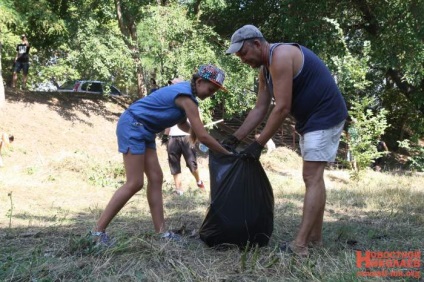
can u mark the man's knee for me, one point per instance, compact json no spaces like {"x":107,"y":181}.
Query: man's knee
{"x":313,"y":172}
{"x":192,"y":165}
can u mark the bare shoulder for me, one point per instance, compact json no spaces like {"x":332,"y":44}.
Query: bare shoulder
{"x":288,"y":57}
{"x":287,"y":50}
{"x":187,"y":104}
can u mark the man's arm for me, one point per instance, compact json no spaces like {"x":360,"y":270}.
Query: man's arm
{"x":282,"y":71}
{"x":258,"y":113}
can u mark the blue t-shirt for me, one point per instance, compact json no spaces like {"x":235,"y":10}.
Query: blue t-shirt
{"x":158,"y":110}
{"x":317,"y":103}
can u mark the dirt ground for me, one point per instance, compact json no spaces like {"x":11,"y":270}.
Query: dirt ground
{"x":57,"y":135}
{"x":45,"y":123}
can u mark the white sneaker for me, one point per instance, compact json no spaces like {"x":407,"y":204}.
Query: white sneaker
{"x":169,"y":235}
{"x":178,"y":192}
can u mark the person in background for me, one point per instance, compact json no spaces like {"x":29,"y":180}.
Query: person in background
{"x":178,"y":144}
{"x":136,"y":133}
{"x":381,"y":148}
{"x":153,"y":86}
{"x":301,"y":85}
{"x":21,"y":61}
{"x":5,"y":141}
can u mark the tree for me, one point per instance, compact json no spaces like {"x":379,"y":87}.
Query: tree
{"x":175,"y":44}
{"x":6,"y":38}
{"x":369,"y":125}
{"x":73,"y":40}
{"x":128,"y":15}
{"x":391,"y":31}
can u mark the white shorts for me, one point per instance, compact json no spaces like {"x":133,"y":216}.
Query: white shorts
{"x":321,"y":145}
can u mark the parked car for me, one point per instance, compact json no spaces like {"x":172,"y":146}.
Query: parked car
{"x":89,"y":86}
{"x":45,"y":87}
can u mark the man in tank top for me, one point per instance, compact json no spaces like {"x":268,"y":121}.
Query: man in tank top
{"x":302,"y":86}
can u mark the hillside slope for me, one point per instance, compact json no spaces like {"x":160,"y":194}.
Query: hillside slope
{"x":45,"y":123}
{"x":63,"y":143}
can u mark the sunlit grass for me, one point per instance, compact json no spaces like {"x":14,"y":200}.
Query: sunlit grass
{"x":51,"y":217}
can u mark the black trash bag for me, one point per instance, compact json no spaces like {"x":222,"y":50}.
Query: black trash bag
{"x":241,"y":211}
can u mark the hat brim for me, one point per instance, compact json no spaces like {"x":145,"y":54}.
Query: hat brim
{"x":219,"y":85}
{"x":234,"y":47}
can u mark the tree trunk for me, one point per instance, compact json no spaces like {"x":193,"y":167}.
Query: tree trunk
{"x":129,"y":31}
{"x":2,"y":95}
{"x":197,"y":8}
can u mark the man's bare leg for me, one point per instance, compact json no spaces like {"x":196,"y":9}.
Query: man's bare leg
{"x":24,"y":80}
{"x":177,"y":181}
{"x":313,"y":207}
{"x":15,"y":78}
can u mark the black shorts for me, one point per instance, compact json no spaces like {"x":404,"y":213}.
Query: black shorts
{"x":21,"y":66}
{"x":177,"y":146}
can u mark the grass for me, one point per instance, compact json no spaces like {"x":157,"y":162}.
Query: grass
{"x":47,"y":208}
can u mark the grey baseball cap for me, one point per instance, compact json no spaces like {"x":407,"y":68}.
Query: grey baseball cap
{"x":246,"y":32}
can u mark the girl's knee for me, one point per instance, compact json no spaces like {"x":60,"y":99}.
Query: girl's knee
{"x":155,"y":177}
{"x":135,"y":186}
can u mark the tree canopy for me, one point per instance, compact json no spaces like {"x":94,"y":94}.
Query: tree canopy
{"x":374,"y":48}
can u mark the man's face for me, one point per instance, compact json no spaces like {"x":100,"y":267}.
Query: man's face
{"x":250,"y":53}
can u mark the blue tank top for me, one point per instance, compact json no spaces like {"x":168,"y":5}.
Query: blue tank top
{"x":158,"y":110}
{"x":317,"y":103}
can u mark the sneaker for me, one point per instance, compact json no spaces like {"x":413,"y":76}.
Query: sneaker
{"x":102,"y":239}
{"x":200,"y":184}
{"x":169,"y":235}
{"x":178,"y":192}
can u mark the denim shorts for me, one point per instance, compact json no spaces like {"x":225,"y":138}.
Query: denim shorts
{"x":133,"y":136}
{"x":21,"y":66}
{"x":321,"y":145}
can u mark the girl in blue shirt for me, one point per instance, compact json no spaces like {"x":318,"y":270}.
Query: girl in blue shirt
{"x":136,"y":133}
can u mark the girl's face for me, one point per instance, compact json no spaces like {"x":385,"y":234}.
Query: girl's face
{"x":205,"y":88}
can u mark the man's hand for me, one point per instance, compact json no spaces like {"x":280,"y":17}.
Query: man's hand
{"x":230,"y":143}
{"x":165,"y":139}
{"x":253,"y":151}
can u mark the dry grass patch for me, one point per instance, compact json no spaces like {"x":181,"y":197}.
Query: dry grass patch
{"x":59,"y":178}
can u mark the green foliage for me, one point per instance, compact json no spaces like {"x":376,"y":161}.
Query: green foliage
{"x":351,"y":70}
{"x":71,"y":40}
{"x":10,"y":211}
{"x":7,"y":38}
{"x":416,"y":160}
{"x":369,"y":125}
{"x":382,"y":40}
{"x":110,"y":175}
{"x":97,"y":56}
{"x":40,"y":22}
{"x":374,"y":48}
{"x":173,"y":45}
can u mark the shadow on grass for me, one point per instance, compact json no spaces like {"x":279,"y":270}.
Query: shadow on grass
{"x":64,"y":252}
